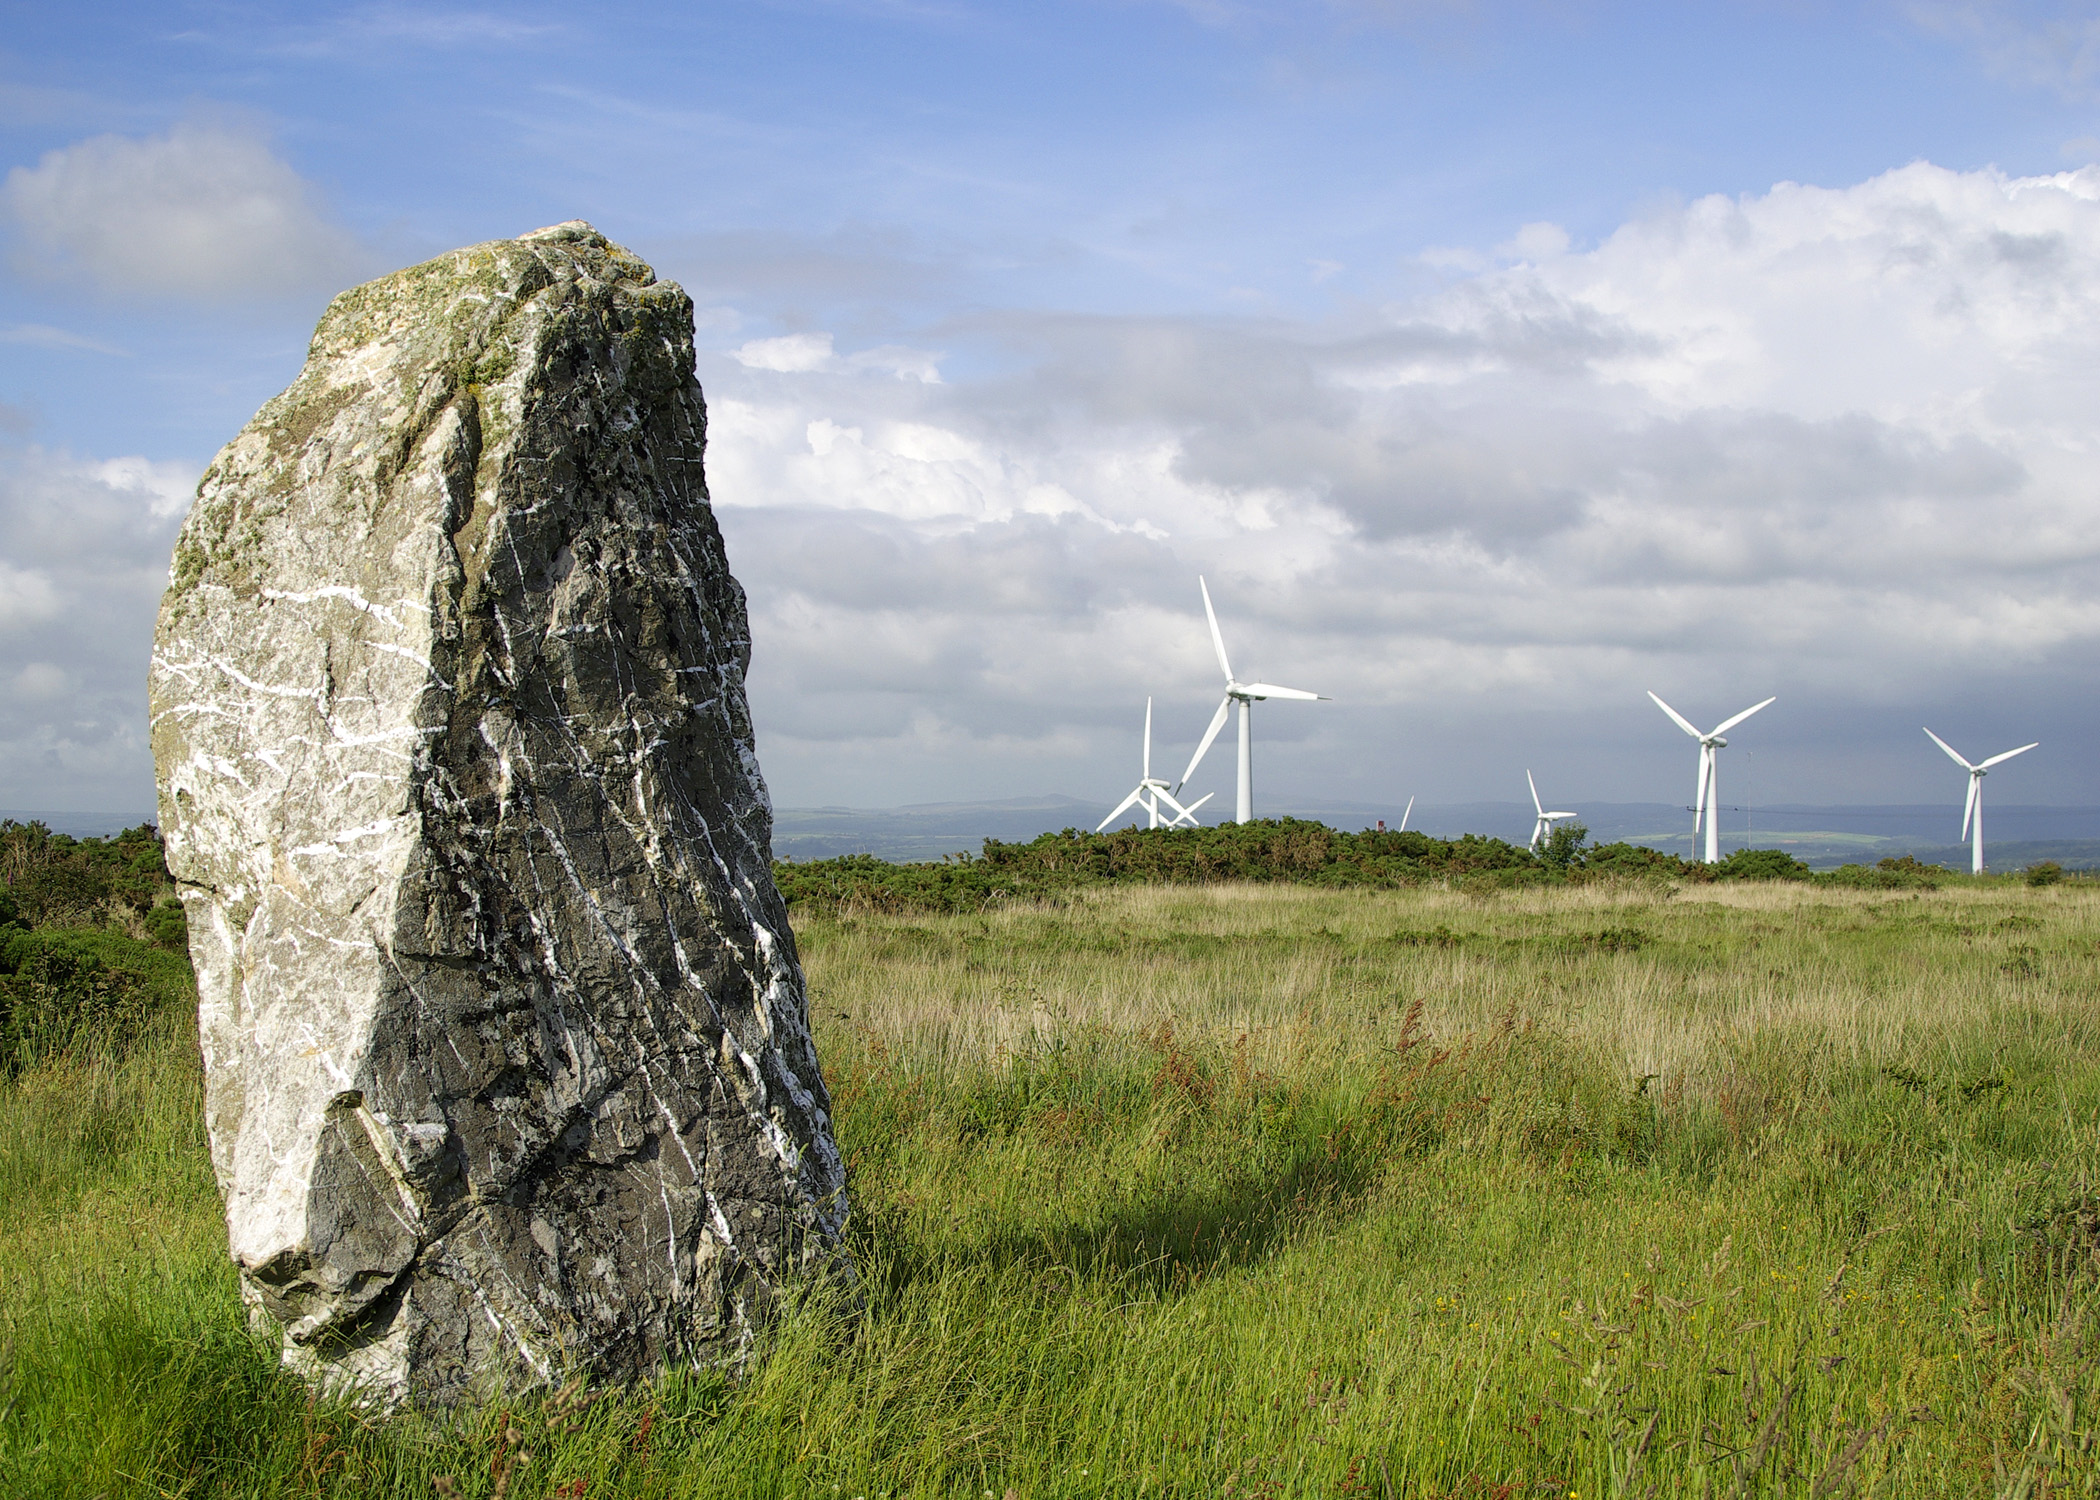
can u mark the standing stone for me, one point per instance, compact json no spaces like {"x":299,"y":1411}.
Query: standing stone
{"x":508,"y":1070}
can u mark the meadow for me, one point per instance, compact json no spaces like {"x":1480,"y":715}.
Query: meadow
{"x":1618,"y":1187}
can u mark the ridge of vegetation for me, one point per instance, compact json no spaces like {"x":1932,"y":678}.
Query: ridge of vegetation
{"x":1290,"y":850}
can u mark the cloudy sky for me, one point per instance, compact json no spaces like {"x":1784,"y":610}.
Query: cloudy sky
{"x":1495,"y":362}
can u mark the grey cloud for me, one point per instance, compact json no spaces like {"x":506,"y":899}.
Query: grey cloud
{"x":86,"y":549}
{"x":1514,"y":455}
{"x":1032,"y":566}
{"x":862,"y":619}
{"x":1263,"y":405}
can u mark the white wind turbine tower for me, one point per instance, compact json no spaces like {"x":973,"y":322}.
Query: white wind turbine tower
{"x":1707,"y":805}
{"x":1246,"y":694}
{"x":1543,"y":828}
{"x":1972,"y":810}
{"x":1151,"y":792}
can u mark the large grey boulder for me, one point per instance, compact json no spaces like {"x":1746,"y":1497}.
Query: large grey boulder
{"x":508,"y":1070}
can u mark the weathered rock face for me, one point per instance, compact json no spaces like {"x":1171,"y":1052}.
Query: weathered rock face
{"x":508,"y":1068}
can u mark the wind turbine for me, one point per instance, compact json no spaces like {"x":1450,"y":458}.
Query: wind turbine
{"x":1246,"y":694}
{"x":1973,"y":808}
{"x":1151,"y":791}
{"x":1708,"y":803}
{"x":1543,"y":828}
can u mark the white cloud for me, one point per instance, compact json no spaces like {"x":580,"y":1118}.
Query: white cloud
{"x":166,"y":486}
{"x":812,"y":353}
{"x":792,"y":354}
{"x":207,"y":212}
{"x":1535,"y":242}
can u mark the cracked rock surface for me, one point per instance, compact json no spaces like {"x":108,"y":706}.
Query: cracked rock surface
{"x":508,"y":1070}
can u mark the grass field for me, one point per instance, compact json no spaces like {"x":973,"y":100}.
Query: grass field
{"x":1245,"y":1191}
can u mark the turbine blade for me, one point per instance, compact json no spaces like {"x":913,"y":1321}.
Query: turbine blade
{"x":1552,"y":815}
{"x":1186,"y":818}
{"x":1271,"y":690}
{"x":1168,"y":798}
{"x":1952,"y":753}
{"x":1536,"y":805}
{"x":1121,"y":808}
{"x":2008,"y":755}
{"x":1217,"y":722}
{"x":1682,"y":722}
{"x":1706,"y":758}
{"x":1727,"y":724}
{"x":1217,"y":638}
{"x":1148,"y":739}
{"x":1404,"y":816}
{"x":1968,"y":806}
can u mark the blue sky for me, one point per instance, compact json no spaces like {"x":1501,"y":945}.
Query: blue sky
{"x":1495,"y":362}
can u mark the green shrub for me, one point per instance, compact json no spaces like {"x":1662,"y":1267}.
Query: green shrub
{"x":2047,"y":872}
{"x":1761,"y":864}
{"x":169,"y":924}
{"x":1563,"y":847}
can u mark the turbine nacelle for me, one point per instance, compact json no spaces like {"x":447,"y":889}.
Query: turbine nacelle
{"x":1972,"y":806}
{"x":1151,"y":792}
{"x":1706,"y":804}
{"x":1542,"y":830}
{"x":1246,"y":695}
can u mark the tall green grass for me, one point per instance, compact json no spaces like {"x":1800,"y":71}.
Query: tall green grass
{"x":1262,"y":1191}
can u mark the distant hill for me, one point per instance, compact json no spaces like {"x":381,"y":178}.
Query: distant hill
{"x":82,"y":825}
{"x":926,"y":830}
{"x":1823,"y":837}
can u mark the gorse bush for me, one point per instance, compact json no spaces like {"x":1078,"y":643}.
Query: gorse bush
{"x":1761,"y":864}
{"x":58,"y":881}
{"x":82,"y":992}
{"x":93,"y":944}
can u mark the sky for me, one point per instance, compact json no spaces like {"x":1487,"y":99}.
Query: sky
{"x":1495,"y":363}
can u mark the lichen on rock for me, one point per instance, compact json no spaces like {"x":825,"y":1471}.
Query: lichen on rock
{"x":508,"y":1069}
